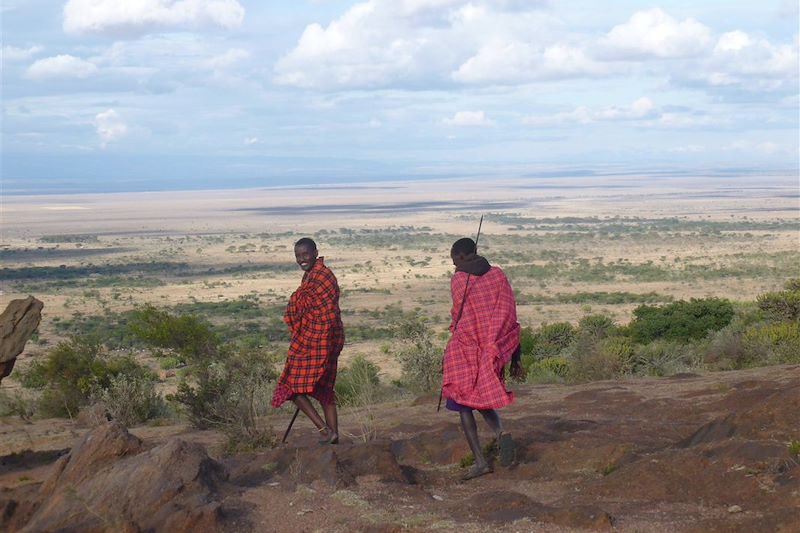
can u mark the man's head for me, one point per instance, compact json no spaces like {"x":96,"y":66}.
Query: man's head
{"x":305,"y":253}
{"x":461,"y":250}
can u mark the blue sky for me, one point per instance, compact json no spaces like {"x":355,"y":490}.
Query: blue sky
{"x":143,"y":94}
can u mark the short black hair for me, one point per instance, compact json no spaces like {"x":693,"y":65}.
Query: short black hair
{"x":306,"y":241}
{"x":464,"y":246}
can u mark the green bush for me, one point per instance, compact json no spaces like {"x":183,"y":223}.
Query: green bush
{"x":358,"y":384}
{"x":774,"y":343}
{"x":130,"y":399}
{"x":548,"y":370}
{"x":549,"y":340}
{"x":72,"y":371}
{"x":606,"y":359}
{"x":783,"y":305}
{"x":597,"y":326}
{"x":664,"y":358}
{"x":680,"y":321}
{"x":223,"y":389}
{"x":420,"y":356}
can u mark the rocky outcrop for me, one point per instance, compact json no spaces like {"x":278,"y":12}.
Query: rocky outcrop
{"x":17,"y":323}
{"x":109,"y":482}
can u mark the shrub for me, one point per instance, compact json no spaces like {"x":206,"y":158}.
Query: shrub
{"x":597,"y":326}
{"x":548,"y":370}
{"x":357,"y":384}
{"x":130,"y":399}
{"x":663,"y":358}
{"x":420,"y":356}
{"x":606,"y":359}
{"x":548,"y":340}
{"x":784,"y":305}
{"x":72,"y":371}
{"x":681,"y":320}
{"x":773,"y":343}
{"x":224,"y":389}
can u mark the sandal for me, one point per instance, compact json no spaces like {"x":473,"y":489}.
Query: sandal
{"x":332,"y":438}
{"x":477,"y":471}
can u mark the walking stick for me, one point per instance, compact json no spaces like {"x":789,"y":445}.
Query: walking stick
{"x":288,"y":429}
{"x":461,"y":310}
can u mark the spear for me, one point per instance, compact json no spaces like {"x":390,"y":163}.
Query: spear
{"x":461,"y":309}
{"x":288,"y":429}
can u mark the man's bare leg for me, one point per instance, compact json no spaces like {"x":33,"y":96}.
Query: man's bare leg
{"x":304,"y":404}
{"x":493,"y":419}
{"x":505,"y":444}
{"x":332,"y":420}
{"x":470,"y":428}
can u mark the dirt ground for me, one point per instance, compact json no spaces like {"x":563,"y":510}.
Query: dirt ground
{"x":685,"y":453}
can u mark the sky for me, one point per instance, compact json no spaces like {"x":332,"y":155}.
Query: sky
{"x":102,"y":95}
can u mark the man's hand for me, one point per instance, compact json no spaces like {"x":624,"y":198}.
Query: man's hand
{"x":517,"y":372}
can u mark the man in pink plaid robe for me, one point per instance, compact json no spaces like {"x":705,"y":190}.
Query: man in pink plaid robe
{"x":484,"y":339}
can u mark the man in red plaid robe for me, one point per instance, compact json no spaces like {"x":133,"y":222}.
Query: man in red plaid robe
{"x":484,"y":338}
{"x":315,"y":324}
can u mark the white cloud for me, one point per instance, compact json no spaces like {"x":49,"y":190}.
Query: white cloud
{"x":12,"y":53}
{"x":641,"y":109}
{"x":468,"y":119}
{"x":110,"y":126}
{"x":654,"y":33}
{"x":742,"y":62}
{"x":512,"y":62}
{"x":142,"y":16}
{"x":411,"y":43}
{"x":61,"y":66}
{"x":227,"y":59}
{"x":250,"y":141}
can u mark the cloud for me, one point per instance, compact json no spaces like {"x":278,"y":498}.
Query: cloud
{"x":468,"y":119}
{"x":514,"y":62}
{"x":408,"y":43}
{"x":250,"y":141}
{"x":61,"y":66}
{"x":641,"y":109}
{"x":12,"y":53}
{"x":143,"y":16}
{"x":654,"y":33}
{"x":110,"y":126}
{"x":742,"y":62}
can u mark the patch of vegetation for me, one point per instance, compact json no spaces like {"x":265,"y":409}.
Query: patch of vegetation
{"x":420,"y":356}
{"x":680,"y":321}
{"x":597,"y":298}
{"x":358,"y":384}
{"x":76,"y":370}
{"x":225,"y":389}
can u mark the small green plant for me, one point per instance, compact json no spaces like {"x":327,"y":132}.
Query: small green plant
{"x":794,"y":447}
{"x":358,"y":384}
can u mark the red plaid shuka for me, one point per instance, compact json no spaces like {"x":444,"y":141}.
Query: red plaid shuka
{"x":315,"y":324}
{"x":482,"y":342}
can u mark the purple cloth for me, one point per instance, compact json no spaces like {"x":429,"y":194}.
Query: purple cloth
{"x":453,"y":405}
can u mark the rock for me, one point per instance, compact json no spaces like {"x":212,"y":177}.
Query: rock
{"x":17,"y":323}
{"x":713,"y":431}
{"x":338,"y":466}
{"x":507,"y":506}
{"x":734,"y":509}
{"x":109,"y":482}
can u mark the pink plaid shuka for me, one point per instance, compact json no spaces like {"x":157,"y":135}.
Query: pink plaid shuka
{"x":482,"y":342}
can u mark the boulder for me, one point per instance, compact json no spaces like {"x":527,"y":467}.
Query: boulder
{"x":17,"y":323}
{"x":110,"y":482}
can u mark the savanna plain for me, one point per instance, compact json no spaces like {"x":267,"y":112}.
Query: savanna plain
{"x":627,"y":419}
